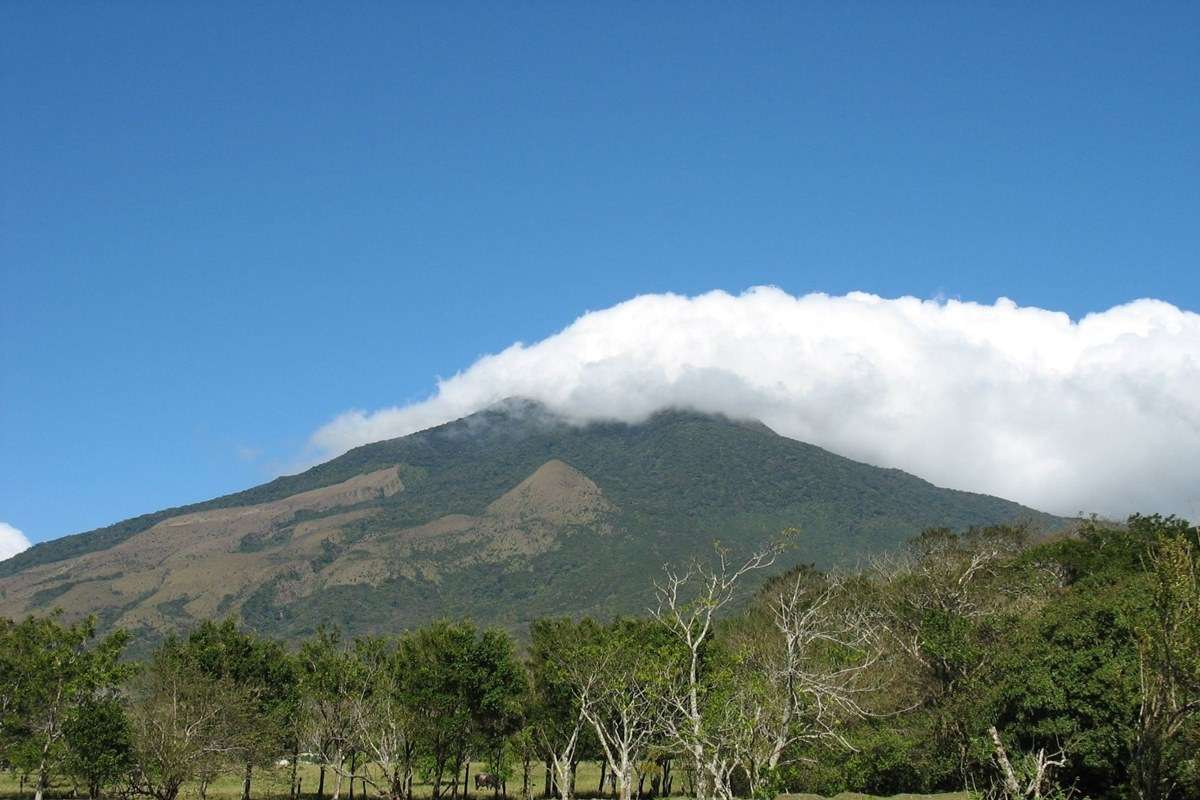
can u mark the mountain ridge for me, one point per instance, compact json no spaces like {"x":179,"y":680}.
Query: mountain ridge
{"x":503,"y":515}
{"x":74,"y":544}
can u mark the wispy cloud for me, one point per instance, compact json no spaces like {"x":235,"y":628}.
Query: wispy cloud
{"x":12,"y":541}
{"x":248,"y":454}
{"x":1100,"y":414}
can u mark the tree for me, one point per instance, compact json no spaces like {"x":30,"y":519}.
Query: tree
{"x":558,"y":698}
{"x":620,"y":676}
{"x":498,"y":689}
{"x":945,"y":604}
{"x":99,"y":743}
{"x":1066,"y":677}
{"x":688,"y":604}
{"x":264,"y":675}
{"x":1033,"y":775}
{"x":524,"y":748}
{"x":330,"y":683}
{"x":51,"y":670}
{"x":384,"y":717}
{"x":186,"y":723}
{"x":439,"y":659}
{"x":12,"y":712}
{"x":1170,"y":655}
{"x":465,"y":687}
{"x":801,"y":666}
{"x":939,"y":588}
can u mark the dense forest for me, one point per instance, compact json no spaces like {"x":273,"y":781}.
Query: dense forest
{"x":981,"y":660}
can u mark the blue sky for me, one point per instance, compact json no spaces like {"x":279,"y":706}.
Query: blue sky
{"x":224,"y":225}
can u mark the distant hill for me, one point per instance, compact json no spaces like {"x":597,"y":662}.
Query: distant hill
{"x":503,"y":516}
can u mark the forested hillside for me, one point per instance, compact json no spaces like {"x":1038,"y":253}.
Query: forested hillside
{"x":504,"y":516}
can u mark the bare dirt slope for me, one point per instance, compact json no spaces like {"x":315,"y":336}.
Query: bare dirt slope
{"x":208,"y":563}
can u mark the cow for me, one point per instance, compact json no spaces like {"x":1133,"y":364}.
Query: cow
{"x":486,"y":780}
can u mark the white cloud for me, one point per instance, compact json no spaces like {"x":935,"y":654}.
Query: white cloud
{"x":1099,"y":415}
{"x":12,"y":541}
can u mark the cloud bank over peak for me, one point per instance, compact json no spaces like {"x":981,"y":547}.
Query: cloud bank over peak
{"x":1096,"y":415}
{"x":12,"y":541}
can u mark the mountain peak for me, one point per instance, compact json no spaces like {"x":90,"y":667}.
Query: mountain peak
{"x":505,"y":514}
{"x":525,"y":411}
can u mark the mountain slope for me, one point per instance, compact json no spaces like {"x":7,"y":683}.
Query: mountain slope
{"x":503,"y":516}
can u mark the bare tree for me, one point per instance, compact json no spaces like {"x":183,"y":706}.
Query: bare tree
{"x":330,"y":684}
{"x":382,"y":719}
{"x":561,"y":750}
{"x":1032,"y":777}
{"x":688,"y":604}
{"x":805,"y":672}
{"x":942,"y":574}
{"x":560,"y":691}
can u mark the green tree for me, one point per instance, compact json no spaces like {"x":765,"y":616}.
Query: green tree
{"x":99,"y":743}
{"x":1169,"y":648}
{"x":1067,"y":676}
{"x":51,"y":670}
{"x":264,"y":676}
{"x":11,"y":725}
{"x":498,"y":690}
{"x":384,"y":716}
{"x":437,"y":656}
{"x":556,"y":707}
{"x":946,"y":604}
{"x":523,"y":747}
{"x":465,"y":688}
{"x":330,"y":682}
{"x":621,"y":675}
{"x":187,"y":723}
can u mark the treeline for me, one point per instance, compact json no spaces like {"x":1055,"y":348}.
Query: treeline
{"x":980,"y":661}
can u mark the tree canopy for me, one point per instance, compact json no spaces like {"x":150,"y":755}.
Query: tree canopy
{"x":989,"y":658}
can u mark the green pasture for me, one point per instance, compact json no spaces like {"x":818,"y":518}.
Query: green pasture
{"x":272,"y":783}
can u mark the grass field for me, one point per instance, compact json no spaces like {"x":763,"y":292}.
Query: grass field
{"x":272,"y":783}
